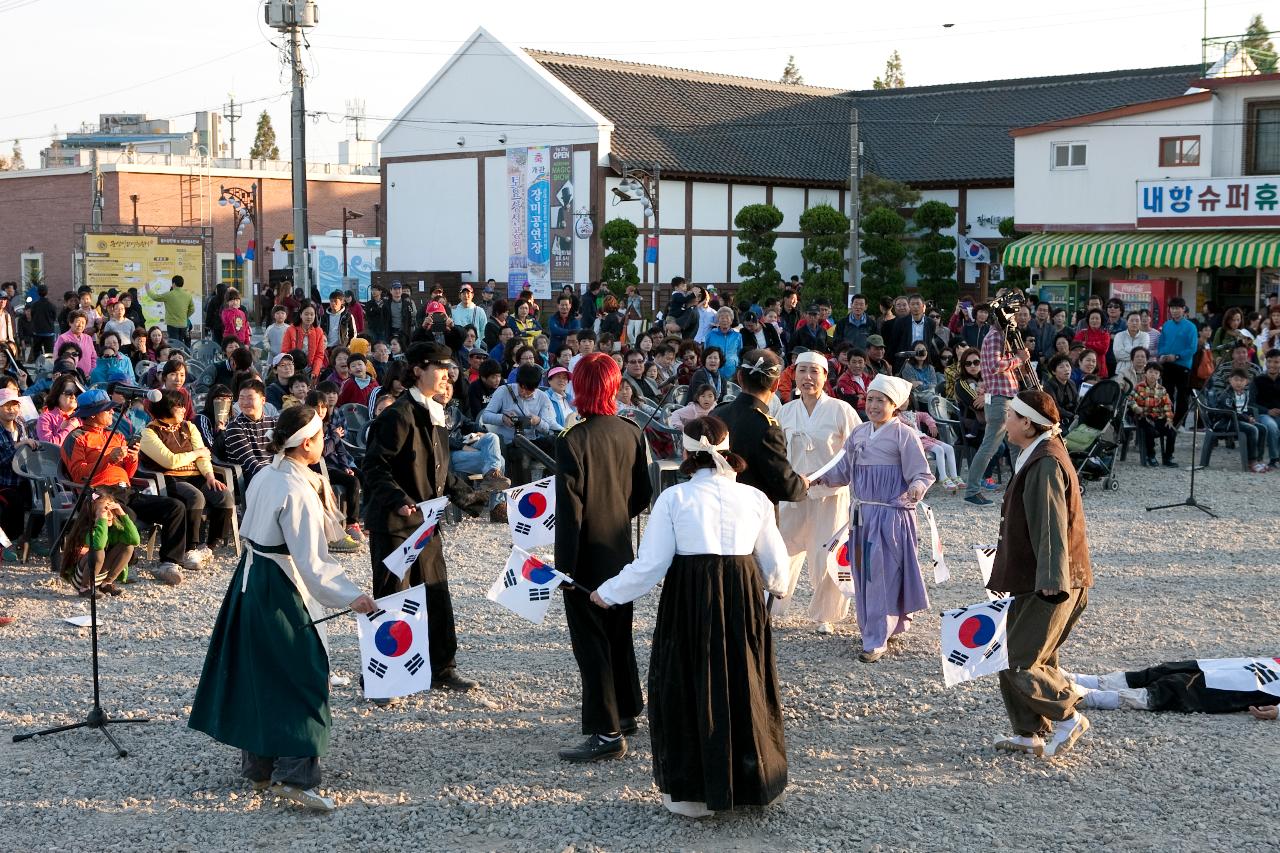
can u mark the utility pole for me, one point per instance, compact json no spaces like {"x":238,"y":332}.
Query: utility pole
{"x":855,"y":204}
{"x":232,"y":117}
{"x":95,"y":214}
{"x":291,"y":16}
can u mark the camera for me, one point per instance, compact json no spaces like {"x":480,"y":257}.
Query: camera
{"x":1005,"y":305}
{"x":521,"y":423}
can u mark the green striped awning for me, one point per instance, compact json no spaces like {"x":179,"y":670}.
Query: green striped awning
{"x":1146,"y":249}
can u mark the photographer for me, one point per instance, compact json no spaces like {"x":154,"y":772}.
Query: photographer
{"x":523,"y":408}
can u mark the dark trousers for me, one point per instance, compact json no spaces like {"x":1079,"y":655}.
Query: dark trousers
{"x":14,"y":502}
{"x":606,"y":658}
{"x":196,"y":495}
{"x":169,"y":514}
{"x":178,"y":333}
{"x":1148,"y":429}
{"x":303,"y":772}
{"x":1180,"y":687}
{"x":1177,"y":381}
{"x":41,"y":344}
{"x":347,"y":488}
{"x":1036,"y":695}
{"x":430,"y":571}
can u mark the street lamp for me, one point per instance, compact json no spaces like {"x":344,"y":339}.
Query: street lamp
{"x":347,"y":215}
{"x":639,"y":184}
{"x":244,"y":211}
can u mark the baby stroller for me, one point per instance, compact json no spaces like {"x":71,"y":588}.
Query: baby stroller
{"x":1094,"y":436}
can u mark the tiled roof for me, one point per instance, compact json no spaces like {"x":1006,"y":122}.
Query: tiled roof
{"x":700,"y":124}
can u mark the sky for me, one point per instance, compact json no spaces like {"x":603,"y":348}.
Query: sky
{"x":62,"y":63}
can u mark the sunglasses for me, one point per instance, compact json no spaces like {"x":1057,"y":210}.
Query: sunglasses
{"x":971,"y":363}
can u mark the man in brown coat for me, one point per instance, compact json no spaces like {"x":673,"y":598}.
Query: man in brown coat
{"x":1043,"y":562}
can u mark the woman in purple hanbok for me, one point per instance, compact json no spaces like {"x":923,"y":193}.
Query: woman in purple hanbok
{"x":885,"y":468}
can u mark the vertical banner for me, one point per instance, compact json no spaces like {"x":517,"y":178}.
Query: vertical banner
{"x":561,"y":214}
{"x":517,"y":260}
{"x":538,"y":220}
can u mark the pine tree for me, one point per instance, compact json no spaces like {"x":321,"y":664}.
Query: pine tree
{"x":791,"y":74}
{"x":1259,"y":47}
{"x":264,"y":141}
{"x":893,"y":78}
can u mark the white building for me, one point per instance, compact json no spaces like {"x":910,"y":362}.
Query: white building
{"x":1184,"y":188}
{"x":455,"y":153}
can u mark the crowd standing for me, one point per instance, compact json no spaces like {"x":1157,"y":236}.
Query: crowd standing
{"x":372,"y":407}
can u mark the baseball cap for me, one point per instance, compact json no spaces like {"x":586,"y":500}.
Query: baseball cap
{"x":434,"y":307}
{"x":8,"y":395}
{"x":466,"y":287}
{"x":875,"y":341}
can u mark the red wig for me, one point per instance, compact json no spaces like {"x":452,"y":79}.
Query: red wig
{"x":595,"y":384}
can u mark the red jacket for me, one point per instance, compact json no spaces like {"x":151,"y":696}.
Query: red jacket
{"x":317,"y":358}
{"x":1098,"y":340}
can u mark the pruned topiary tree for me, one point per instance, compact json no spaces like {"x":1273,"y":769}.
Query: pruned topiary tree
{"x":935,"y":254}
{"x":882,"y":274}
{"x":826,"y":237}
{"x":618,"y":269}
{"x":757,"y":226}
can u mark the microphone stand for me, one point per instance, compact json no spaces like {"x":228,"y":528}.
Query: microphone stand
{"x":1191,"y":497}
{"x":97,"y":718}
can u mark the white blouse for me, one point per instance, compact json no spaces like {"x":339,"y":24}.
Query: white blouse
{"x":709,"y":514}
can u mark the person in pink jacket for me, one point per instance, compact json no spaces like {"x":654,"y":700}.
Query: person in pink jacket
{"x":235,"y":323}
{"x":56,"y":422}
{"x":76,"y":335}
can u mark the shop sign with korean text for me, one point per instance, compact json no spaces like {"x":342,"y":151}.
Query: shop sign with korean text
{"x":1242,"y":202}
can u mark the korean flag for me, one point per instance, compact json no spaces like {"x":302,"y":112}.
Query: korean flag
{"x":1259,"y":674}
{"x":973,"y":641}
{"x":839,"y":563}
{"x":986,"y":555}
{"x":399,"y":560}
{"x":394,"y":657}
{"x":531,"y":513}
{"x":524,"y":586}
{"x":941,"y":573}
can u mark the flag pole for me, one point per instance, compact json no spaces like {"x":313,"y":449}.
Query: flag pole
{"x":330,"y":616}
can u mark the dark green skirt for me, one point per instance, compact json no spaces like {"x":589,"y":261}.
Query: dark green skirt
{"x":265,"y":683}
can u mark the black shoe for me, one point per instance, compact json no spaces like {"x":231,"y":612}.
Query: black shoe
{"x":629,"y":726}
{"x":979,"y":500}
{"x":450,"y":680}
{"x":595,"y":748}
{"x":1169,"y":463}
{"x":1151,"y":462}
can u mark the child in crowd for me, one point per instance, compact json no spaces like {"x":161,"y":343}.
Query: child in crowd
{"x":1152,"y":412}
{"x":298,"y":390}
{"x":275,"y":332}
{"x":852,"y":384}
{"x":235,"y":323}
{"x":98,"y":548}
{"x":1240,"y":398}
{"x":359,"y":384}
{"x":944,"y":455}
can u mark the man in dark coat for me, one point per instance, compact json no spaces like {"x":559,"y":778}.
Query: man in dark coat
{"x":406,"y":462}
{"x":376,"y":317}
{"x":902,"y":333}
{"x":602,"y":482}
{"x":755,"y":436}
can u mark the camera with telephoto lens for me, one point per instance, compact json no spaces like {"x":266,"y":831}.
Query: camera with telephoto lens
{"x":520,"y":423}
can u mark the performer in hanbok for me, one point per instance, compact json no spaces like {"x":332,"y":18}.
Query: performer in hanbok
{"x":816,"y":426}
{"x":885,"y":468}
{"x":715,"y":710}
{"x":265,"y":683}
{"x":1043,"y":562}
{"x":602,"y":482}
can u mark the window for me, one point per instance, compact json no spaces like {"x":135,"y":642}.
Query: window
{"x":32,"y":268}
{"x":1068,"y":155}
{"x":1262,"y":147}
{"x":1179,"y":151}
{"x":230,"y":272}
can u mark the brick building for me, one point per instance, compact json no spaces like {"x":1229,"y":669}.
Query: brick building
{"x":40,"y":208}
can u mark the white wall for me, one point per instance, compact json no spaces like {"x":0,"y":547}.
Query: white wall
{"x":789,"y":261}
{"x":708,"y":258}
{"x":790,"y":200}
{"x":670,"y":257}
{"x":505,"y":93}
{"x":671,"y":204}
{"x":1230,"y":131}
{"x":1104,"y":192}
{"x":994,"y":203}
{"x":710,"y":206}
{"x":745,"y":194}
{"x":432,"y":218}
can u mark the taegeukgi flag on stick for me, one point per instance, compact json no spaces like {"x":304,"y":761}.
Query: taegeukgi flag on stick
{"x":973,"y":641}
{"x":394,"y":656}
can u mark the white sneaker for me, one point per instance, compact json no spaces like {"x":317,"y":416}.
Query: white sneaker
{"x":1090,"y":681}
{"x":1030,"y":745}
{"x":826,"y":628}
{"x":1103,"y":700}
{"x":167,"y":573}
{"x":1065,"y":734}
{"x":1134,"y":698}
{"x":1113,"y":681}
{"x":308,"y":798}
{"x":193,"y":559}
{"x":686,"y":808}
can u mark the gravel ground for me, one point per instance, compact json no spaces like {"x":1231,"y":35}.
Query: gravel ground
{"x":882,"y":757}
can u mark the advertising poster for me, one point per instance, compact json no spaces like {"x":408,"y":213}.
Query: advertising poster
{"x":517,"y":260}
{"x":123,"y":261}
{"x":561,"y":215}
{"x":538,"y":245}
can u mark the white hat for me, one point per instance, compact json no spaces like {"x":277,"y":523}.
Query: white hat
{"x":816,"y":359}
{"x":897,"y":390}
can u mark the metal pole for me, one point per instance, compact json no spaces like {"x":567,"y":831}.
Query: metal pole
{"x":95,"y":215}
{"x":855,"y":205}
{"x":302,"y":239}
{"x":344,"y":244}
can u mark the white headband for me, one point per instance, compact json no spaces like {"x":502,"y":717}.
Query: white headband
{"x":812,"y":358}
{"x":311,"y":428}
{"x":1035,"y":417}
{"x":704,"y":446}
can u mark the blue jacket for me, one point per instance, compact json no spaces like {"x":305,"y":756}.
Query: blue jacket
{"x":558,"y":331}
{"x":730,"y":343}
{"x":1179,"y":338}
